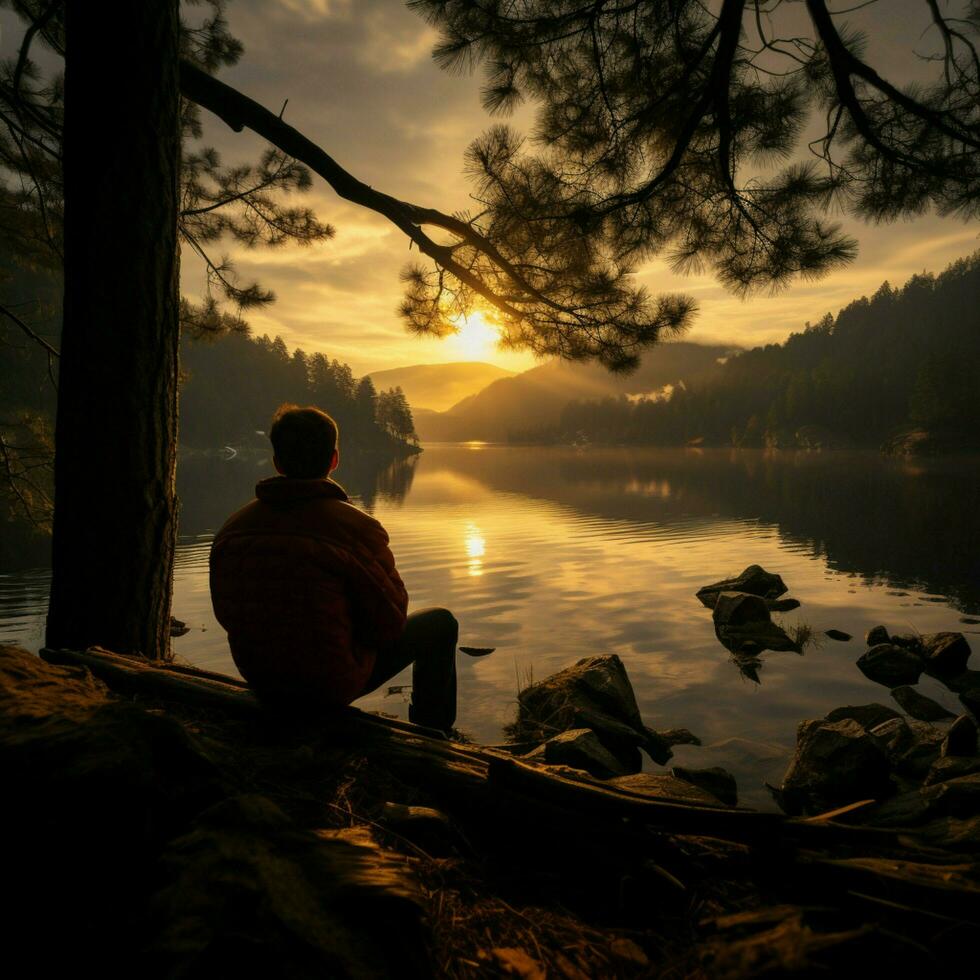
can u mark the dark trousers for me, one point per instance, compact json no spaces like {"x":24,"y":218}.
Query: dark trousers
{"x":429,"y":642}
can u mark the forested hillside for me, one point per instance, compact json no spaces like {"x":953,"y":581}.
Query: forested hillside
{"x":904,"y":359}
{"x":230,"y":387}
{"x":521,"y":407}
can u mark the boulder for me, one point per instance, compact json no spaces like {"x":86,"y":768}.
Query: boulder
{"x":754,"y":580}
{"x":838,"y":635}
{"x":835,"y":763}
{"x":719,"y":782}
{"x":743,"y":626}
{"x":945,"y":653}
{"x":951,"y":767}
{"x":961,"y":739}
{"x":733,"y":609}
{"x":580,"y":748}
{"x":971,"y":701}
{"x":957,"y":797}
{"x":919,"y":706}
{"x":908,"y":641}
{"x":966,"y":682}
{"x":595,"y":693}
{"x":782,"y":605}
{"x":912,"y":746}
{"x":891,"y":665}
{"x":867,"y":716}
{"x":876,"y":635}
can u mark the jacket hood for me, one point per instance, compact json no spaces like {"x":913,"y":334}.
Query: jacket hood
{"x":282,"y":489}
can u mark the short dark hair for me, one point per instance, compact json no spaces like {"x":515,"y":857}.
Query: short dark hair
{"x":304,"y":440}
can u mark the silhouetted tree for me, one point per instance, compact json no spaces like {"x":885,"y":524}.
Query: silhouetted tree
{"x":118,"y":347}
{"x":653,"y":111}
{"x":261,"y":378}
{"x":394,"y":414}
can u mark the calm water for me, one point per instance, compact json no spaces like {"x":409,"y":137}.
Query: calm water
{"x":554,"y":554}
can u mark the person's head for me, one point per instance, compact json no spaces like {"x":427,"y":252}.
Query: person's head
{"x":304,"y":441}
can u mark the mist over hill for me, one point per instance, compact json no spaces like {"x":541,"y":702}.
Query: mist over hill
{"x":509,"y":408}
{"x":437,"y":387}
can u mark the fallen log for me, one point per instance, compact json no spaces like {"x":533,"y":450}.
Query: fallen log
{"x":536,"y":817}
{"x":421,"y":753}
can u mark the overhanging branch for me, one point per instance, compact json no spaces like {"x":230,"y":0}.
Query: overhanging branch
{"x":240,"y":112}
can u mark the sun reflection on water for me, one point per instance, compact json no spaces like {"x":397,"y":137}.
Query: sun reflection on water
{"x":476,"y":547}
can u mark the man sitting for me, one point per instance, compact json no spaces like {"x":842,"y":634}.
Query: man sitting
{"x":307,"y":588}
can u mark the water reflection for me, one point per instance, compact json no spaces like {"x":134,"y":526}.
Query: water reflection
{"x":551,"y":555}
{"x":476,"y":548}
{"x":212,"y":487}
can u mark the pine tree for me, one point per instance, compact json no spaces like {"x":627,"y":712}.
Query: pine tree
{"x":131,"y":199}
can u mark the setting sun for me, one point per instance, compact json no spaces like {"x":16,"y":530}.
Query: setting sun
{"x":477,"y":338}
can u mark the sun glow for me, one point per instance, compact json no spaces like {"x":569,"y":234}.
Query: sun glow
{"x":477,"y":338}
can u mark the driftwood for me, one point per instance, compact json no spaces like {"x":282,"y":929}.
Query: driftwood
{"x":582,"y":827}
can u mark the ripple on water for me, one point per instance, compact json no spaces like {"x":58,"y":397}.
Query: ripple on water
{"x":549,"y":567}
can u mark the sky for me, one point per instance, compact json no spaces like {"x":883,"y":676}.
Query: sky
{"x":361,"y":83}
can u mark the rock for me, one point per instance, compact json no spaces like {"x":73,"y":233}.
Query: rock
{"x":581,"y":748}
{"x":971,"y":701}
{"x":178,"y":627}
{"x":734,"y":609}
{"x":876,"y":635}
{"x":908,"y":641}
{"x":912,"y":746}
{"x":919,"y":706}
{"x":838,"y":635}
{"x":961,"y":739}
{"x":782,"y":605}
{"x":676,"y":736}
{"x":754,"y":580}
{"x":951,"y":767}
{"x":247,"y":893}
{"x":868,"y":716}
{"x":660,"y":744}
{"x":717,"y":781}
{"x":966,"y":682}
{"x":743,"y":626}
{"x":957,"y":797}
{"x":945,"y":653}
{"x":835,"y":763}
{"x":891,"y":665}
{"x":662,"y":786}
{"x":595,"y":693}
{"x":424,"y":826}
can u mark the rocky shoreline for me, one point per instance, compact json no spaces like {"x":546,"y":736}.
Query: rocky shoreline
{"x":160,"y":821}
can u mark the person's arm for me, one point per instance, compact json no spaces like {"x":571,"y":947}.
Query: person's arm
{"x":380,"y":602}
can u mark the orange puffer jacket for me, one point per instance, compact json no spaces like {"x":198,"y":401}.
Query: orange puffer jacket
{"x":307,"y":589}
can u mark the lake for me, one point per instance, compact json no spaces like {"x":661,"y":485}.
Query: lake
{"x":553,"y":554}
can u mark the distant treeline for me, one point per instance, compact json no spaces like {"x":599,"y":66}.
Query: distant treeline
{"x":231,"y":385}
{"x":903,"y":358}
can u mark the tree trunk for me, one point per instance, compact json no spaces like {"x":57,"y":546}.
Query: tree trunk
{"x":115,"y":505}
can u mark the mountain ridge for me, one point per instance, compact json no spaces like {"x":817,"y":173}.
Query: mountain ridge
{"x":536,"y":397}
{"x":437,"y":387}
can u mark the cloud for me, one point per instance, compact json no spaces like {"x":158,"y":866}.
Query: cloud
{"x":360,"y":83}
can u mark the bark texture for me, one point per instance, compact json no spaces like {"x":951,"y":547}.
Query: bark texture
{"x":115,"y":504}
